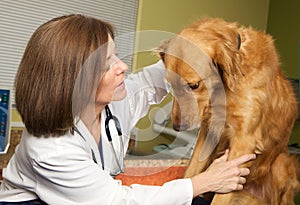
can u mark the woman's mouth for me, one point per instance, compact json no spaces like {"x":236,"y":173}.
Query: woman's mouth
{"x":122,"y":84}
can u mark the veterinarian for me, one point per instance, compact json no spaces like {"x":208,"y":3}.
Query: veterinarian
{"x":78,"y":112}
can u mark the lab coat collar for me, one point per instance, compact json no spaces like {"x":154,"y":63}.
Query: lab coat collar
{"x":90,"y":143}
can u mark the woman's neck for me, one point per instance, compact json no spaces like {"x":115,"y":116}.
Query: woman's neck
{"x":92,"y":120}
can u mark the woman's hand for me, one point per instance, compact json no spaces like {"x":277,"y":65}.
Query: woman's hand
{"x":222,"y":176}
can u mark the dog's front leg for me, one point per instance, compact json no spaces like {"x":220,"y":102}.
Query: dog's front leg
{"x":196,"y":165}
{"x":238,"y":147}
{"x":236,"y":198}
{"x":223,"y":199}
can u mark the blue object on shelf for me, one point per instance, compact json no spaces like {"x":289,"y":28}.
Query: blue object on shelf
{"x":5,"y":119}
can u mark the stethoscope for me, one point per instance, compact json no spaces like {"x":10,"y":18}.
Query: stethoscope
{"x":109,"y":117}
{"x":119,"y":160}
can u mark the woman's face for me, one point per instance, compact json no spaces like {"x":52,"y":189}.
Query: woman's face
{"x":112,"y":86}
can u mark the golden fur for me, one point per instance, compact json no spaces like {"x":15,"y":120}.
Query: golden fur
{"x":213,"y":58}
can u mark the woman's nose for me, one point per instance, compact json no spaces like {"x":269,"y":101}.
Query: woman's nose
{"x":121,"y":66}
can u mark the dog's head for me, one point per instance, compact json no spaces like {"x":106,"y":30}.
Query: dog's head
{"x":202,"y":64}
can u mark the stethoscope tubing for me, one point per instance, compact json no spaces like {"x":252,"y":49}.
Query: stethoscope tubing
{"x":109,"y":117}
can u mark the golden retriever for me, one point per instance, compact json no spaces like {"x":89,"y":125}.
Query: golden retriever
{"x":227,"y":77}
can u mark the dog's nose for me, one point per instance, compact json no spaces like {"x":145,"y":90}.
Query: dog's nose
{"x":180,"y":127}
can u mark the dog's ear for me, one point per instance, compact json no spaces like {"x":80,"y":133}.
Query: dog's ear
{"x":227,"y":59}
{"x":161,"y":50}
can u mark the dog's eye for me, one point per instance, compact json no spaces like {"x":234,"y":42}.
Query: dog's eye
{"x":194,"y":86}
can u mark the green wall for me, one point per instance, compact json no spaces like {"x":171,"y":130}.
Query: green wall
{"x":174,"y":15}
{"x":284,"y":26}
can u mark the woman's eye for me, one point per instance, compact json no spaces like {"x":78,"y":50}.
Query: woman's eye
{"x":193,"y":86}
{"x":113,"y":59}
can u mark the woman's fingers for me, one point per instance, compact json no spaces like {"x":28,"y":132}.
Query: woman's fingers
{"x":224,"y":157}
{"x":227,"y":176}
{"x":242,"y":180}
{"x":243,"y":159}
{"x":239,"y":187}
{"x":244,"y":171}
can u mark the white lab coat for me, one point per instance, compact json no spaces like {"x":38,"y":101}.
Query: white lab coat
{"x":62,"y":171}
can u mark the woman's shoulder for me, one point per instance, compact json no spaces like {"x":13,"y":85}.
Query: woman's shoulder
{"x":38,"y":148}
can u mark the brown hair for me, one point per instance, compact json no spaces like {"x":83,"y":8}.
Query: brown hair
{"x":60,"y":54}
